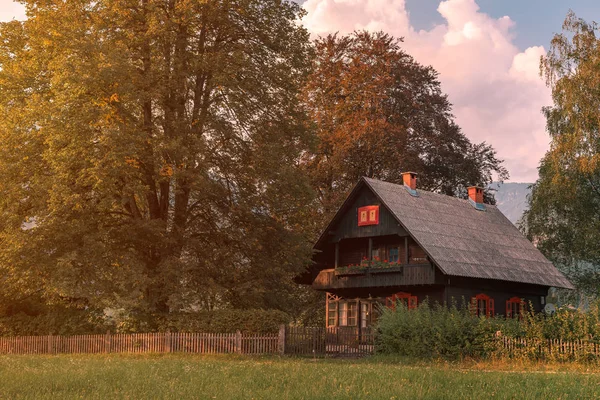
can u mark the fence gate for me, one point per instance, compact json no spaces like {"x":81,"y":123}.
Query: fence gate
{"x":335,"y":341}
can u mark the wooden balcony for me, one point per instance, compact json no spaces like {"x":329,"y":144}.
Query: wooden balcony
{"x":405,"y":275}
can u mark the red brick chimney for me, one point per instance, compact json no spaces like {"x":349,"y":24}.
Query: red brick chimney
{"x":410,"y":180}
{"x":476,"y":194}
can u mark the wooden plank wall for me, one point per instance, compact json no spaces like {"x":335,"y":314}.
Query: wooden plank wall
{"x":423,"y":274}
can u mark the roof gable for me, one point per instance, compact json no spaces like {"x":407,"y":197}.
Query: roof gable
{"x":344,"y":224}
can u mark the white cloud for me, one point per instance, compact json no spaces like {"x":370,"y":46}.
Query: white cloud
{"x":10,"y":10}
{"x":495,"y":88}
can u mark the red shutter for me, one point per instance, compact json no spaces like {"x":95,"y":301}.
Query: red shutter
{"x":412,"y":302}
{"x":390,"y":302}
{"x":491,"y":310}
{"x":522,"y":306}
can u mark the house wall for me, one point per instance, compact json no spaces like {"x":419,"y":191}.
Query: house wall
{"x":347,"y":227}
{"x":353,"y":250}
{"x":434,"y":293}
{"x":500,"y":291}
{"x":457,"y":290}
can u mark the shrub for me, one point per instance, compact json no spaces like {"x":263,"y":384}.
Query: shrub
{"x":218,"y":321}
{"x":57,"y":322}
{"x":426,"y":332}
{"x":453,"y":333}
{"x":82,"y":322}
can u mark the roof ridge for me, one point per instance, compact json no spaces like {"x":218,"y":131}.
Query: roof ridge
{"x":399,"y":185}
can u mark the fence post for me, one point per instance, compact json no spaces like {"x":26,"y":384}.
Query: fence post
{"x":238,"y":342}
{"x":281,"y":341}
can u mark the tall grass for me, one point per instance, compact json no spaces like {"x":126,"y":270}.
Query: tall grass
{"x":196,"y":377}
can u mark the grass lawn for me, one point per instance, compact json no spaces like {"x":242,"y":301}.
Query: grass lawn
{"x":232,"y":377}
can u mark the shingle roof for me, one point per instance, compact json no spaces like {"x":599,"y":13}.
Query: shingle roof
{"x":465,"y":242}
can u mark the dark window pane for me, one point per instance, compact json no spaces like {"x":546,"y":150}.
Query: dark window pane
{"x":393,"y":254}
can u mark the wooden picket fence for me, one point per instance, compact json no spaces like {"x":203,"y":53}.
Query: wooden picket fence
{"x":557,"y":349}
{"x":200,"y":343}
{"x":289,"y":340}
{"x":336,"y":341}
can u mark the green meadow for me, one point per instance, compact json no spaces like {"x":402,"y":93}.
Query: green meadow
{"x":231,"y":377}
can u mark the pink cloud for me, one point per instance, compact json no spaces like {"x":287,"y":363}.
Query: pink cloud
{"x":495,"y":88}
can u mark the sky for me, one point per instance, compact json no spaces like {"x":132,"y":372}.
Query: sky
{"x":486,"y":51}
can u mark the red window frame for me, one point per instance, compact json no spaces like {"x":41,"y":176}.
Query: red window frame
{"x":411,"y":301}
{"x":520,"y":307}
{"x":487,"y":301}
{"x":370,"y":210}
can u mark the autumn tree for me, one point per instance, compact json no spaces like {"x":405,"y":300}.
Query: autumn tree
{"x":564,"y":215}
{"x":378,"y":113}
{"x":150,"y":153}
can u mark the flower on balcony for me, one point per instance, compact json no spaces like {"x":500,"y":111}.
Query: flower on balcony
{"x":365,"y":263}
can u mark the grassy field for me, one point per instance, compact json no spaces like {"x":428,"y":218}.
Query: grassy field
{"x":228,"y":377}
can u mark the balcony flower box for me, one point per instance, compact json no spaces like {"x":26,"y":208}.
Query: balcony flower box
{"x":350,"y":270}
{"x":387,"y":269}
{"x":375,"y":266}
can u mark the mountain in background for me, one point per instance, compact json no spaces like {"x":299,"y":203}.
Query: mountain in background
{"x":511,"y":199}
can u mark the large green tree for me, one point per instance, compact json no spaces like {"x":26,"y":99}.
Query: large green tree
{"x":564,"y":215}
{"x":379,"y":113}
{"x":149,"y":153}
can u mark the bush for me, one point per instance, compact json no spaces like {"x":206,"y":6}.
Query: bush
{"x":218,"y":321}
{"x":66,"y":321}
{"x":454,"y":333}
{"x":437,"y":332}
{"x":57,"y":322}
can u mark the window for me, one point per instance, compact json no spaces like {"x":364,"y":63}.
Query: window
{"x":482,"y":305}
{"x":374,"y":312}
{"x":368,"y":215}
{"x":365,"y":314}
{"x":515,"y":307}
{"x":343,"y":313}
{"x":331,"y":309}
{"x":393,"y":255}
{"x":406,"y":298}
{"x":375,"y":254}
{"x":368,"y":313}
{"x":331,"y":312}
{"x":347,"y":313}
{"x":352,"y":313}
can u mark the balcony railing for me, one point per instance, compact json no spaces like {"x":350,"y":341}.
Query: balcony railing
{"x":360,"y":277}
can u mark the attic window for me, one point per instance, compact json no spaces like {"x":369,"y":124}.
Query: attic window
{"x":368,"y":215}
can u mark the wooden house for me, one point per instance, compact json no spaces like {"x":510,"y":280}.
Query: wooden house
{"x":391,"y":242}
